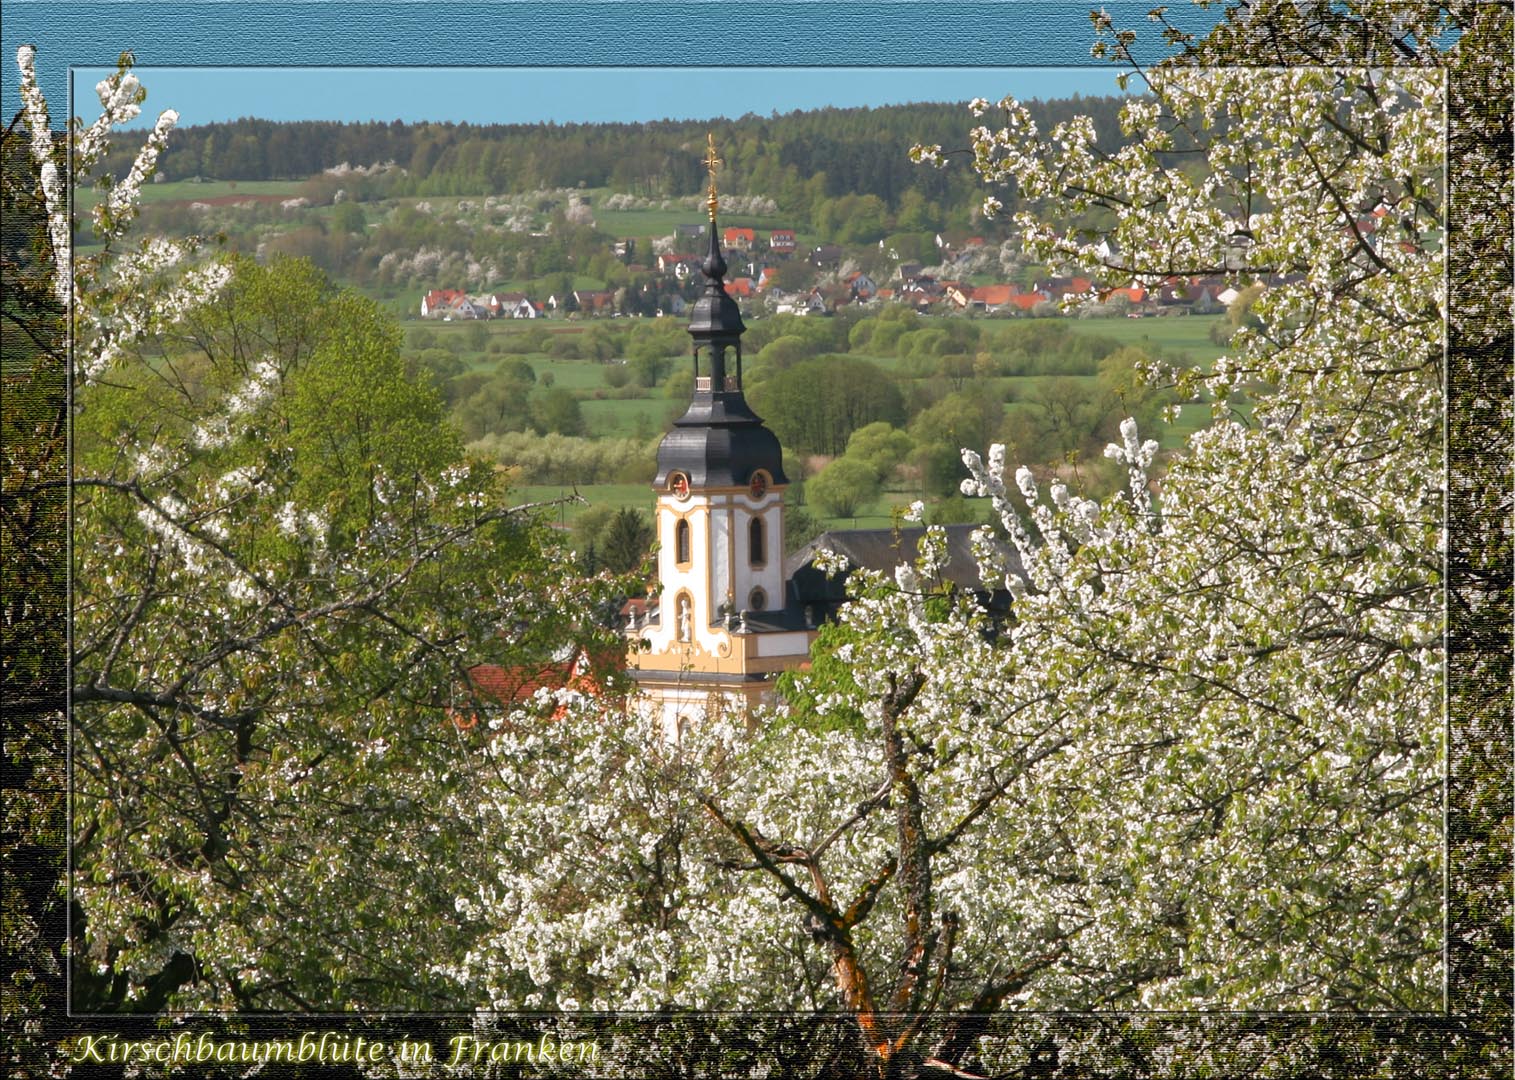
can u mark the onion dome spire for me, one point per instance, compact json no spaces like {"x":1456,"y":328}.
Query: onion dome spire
{"x":720,"y":441}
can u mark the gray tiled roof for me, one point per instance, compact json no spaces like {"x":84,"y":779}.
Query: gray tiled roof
{"x":884,"y":549}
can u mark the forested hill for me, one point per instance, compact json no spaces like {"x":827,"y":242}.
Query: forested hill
{"x":827,"y":152}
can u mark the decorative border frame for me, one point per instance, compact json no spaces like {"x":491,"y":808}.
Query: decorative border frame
{"x":1473,"y":1037}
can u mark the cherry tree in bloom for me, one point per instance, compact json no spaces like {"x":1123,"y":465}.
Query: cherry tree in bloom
{"x":120,"y":294}
{"x":283,"y":570}
{"x":1200,"y":764}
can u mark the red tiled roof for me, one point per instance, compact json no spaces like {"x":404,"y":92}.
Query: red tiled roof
{"x":507,"y":686}
{"x":514,"y":685}
{"x":993,"y":295}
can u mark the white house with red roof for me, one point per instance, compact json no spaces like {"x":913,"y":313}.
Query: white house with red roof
{"x":738,"y":238}
{"x":440,"y":301}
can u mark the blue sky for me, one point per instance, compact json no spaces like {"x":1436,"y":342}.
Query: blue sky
{"x":205,"y":95}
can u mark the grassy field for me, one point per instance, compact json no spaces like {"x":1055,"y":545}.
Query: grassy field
{"x":635,"y":496}
{"x":650,"y":224}
{"x":642,"y":418}
{"x":189,"y":191}
{"x":1189,"y":335}
{"x":568,"y":374}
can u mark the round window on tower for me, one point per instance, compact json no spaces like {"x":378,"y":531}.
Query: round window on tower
{"x":757,"y":600}
{"x":758,"y":484}
{"x":678,"y":483}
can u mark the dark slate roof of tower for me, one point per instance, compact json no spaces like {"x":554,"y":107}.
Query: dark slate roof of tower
{"x":719,"y":441}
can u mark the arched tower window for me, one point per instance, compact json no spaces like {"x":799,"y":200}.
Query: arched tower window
{"x":757,"y":552}
{"x":681,"y":542}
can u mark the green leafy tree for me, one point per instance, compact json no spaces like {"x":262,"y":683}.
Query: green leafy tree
{"x":289,"y":569}
{"x":881,"y":446}
{"x":842,"y":487}
{"x":616,"y":375}
{"x":818,"y":403}
{"x":942,"y":429}
{"x":783,"y":353}
{"x":626,"y":541}
{"x":557,"y":412}
{"x":492,"y":405}
{"x":348,"y":217}
{"x":793,"y":276}
{"x":648,"y":369}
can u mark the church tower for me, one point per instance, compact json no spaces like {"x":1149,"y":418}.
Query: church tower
{"x":725,"y":624}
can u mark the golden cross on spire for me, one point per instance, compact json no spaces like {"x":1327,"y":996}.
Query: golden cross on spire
{"x":712,"y":163}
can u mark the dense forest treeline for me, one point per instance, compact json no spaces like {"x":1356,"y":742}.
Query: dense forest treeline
{"x":791,"y":158}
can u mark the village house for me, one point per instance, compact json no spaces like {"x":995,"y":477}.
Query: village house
{"x":739,"y":239}
{"x":1133,"y":294}
{"x":862,"y":286}
{"x":439,"y":301}
{"x":594,"y":301}
{"x":1059,"y":287}
{"x":509,"y":305}
{"x":1024,"y":302}
{"x":825,"y":299}
{"x":985,"y":298}
{"x":921,"y":292}
{"x":826,"y":256}
{"x":782,"y":242}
